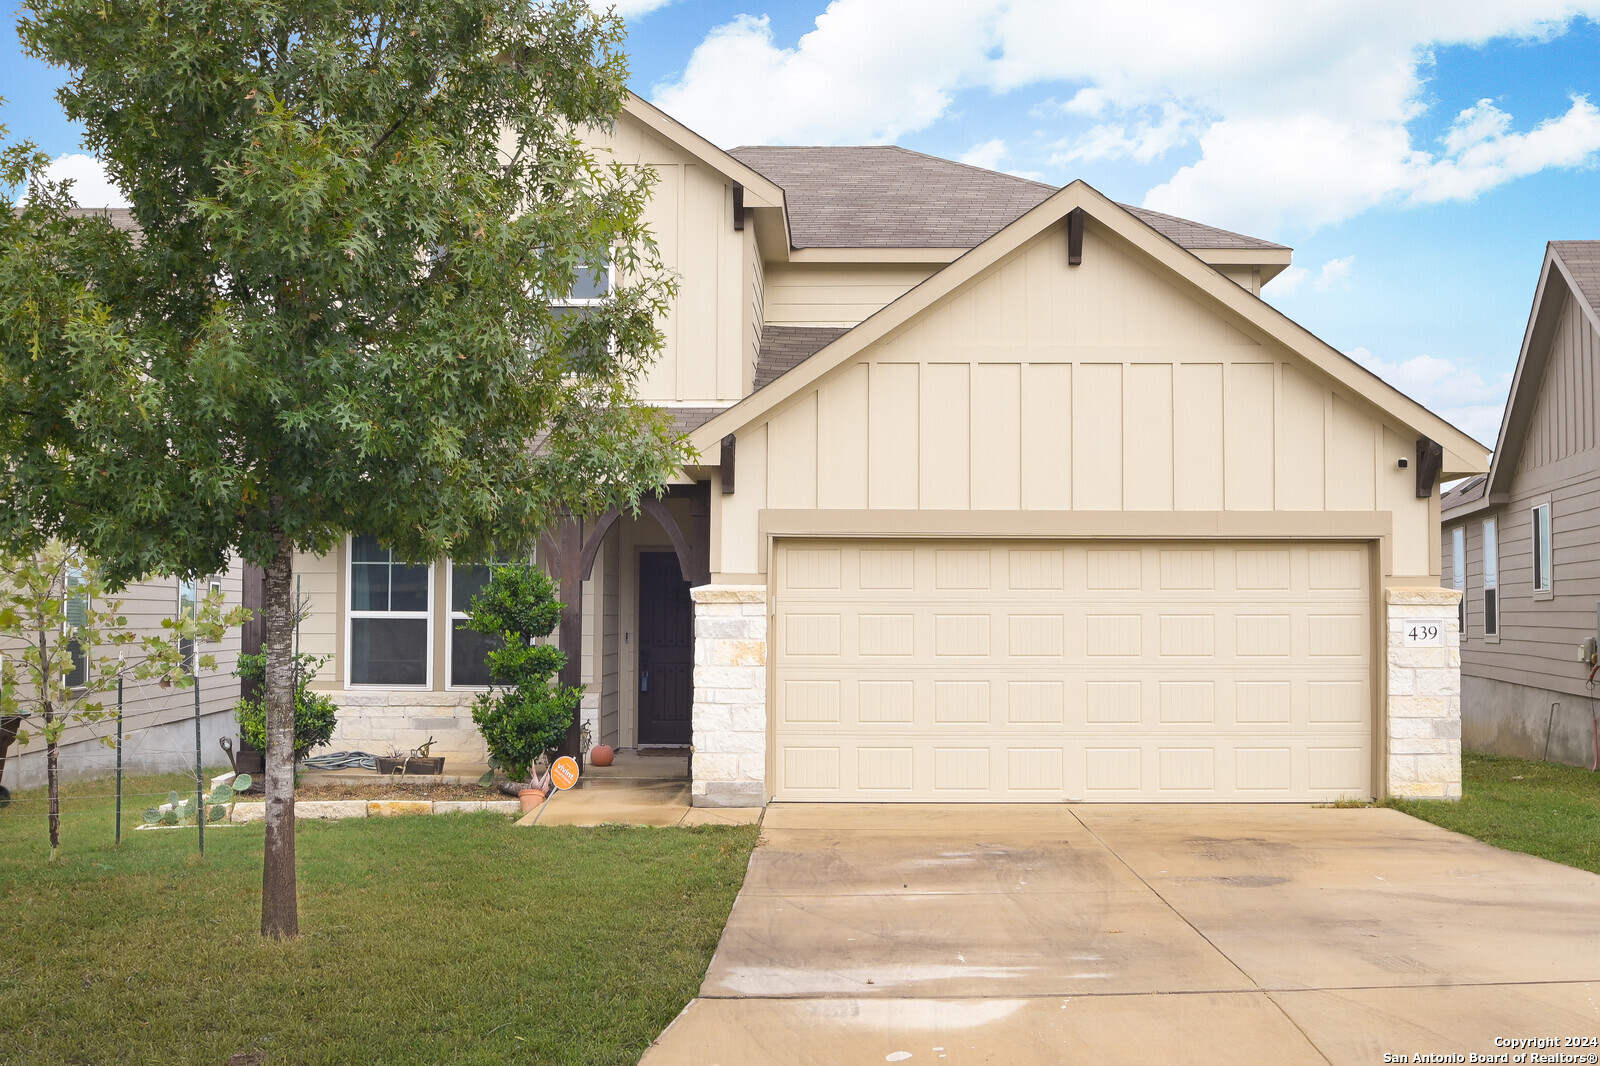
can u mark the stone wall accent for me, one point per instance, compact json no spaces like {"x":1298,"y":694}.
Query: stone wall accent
{"x":1423,"y":723}
{"x":376,"y":720}
{"x":730,"y":696}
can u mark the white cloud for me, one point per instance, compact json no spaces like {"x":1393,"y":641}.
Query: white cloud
{"x":1334,"y":272}
{"x":1142,"y":140}
{"x":986,"y":155}
{"x":631,"y":8}
{"x":869,"y":73}
{"x":1300,"y":113}
{"x":1289,"y":281}
{"x":90,"y":186}
{"x":1456,"y":393}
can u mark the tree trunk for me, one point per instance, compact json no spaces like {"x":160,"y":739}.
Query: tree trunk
{"x":280,"y":911}
{"x":52,"y":771}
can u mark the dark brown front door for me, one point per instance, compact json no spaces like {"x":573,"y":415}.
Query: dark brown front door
{"x":666,"y":651}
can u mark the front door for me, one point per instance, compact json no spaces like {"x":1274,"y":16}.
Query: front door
{"x":666,"y":651}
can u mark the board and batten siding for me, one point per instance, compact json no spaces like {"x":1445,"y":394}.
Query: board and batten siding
{"x":705,"y":353}
{"x":837,"y":294}
{"x":1539,"y":635}
{"x":1104,"y":387}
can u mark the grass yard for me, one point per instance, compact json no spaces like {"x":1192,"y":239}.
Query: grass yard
{"x":442,"y":939}
{"x":1541,"y":808}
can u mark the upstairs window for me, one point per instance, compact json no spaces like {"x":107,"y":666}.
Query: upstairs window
{"x":389,"y":624}
{"x":591,"y":285}
{"x":1458,"y":575}
{"x":1542,"y":577}
{"x":1491,"y":580}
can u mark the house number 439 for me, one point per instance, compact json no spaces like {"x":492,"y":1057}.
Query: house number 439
{"x":1424,"y":634}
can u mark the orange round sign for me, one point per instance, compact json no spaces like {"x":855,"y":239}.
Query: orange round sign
{"x":564,"y":772}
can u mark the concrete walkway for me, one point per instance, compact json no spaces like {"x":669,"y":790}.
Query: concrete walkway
{"x":1138,"y":934}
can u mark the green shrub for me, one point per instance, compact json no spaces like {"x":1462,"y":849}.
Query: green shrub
{"x":524,"y":716}
{"x":315,"y":714}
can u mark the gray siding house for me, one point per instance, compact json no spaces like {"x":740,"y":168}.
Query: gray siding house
{"x":1523,"y":542}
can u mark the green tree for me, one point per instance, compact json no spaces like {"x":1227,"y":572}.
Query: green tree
{"x":67,"y":643}
{"x":336,"y":316}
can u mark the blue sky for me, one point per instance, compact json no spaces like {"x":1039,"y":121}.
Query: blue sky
{"x":1416,"y":156}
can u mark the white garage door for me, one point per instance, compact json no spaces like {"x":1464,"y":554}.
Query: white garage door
{"x":1016,"y":671}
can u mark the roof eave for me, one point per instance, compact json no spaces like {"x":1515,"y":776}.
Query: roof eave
{"x":1463,"y":456}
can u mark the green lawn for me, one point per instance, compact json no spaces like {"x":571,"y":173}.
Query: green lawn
{"x":444,"y":939}
{"x":1541,"y":808}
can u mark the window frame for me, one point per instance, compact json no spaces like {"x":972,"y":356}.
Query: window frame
{"x":451,"y":617}
{"x":76,"y":652}
{"x":350,"y":615}
{"x":1458,"y":577}
{"x":186,"y":646}
{"x":1491,"y":578}
{"x":1542,"y":536}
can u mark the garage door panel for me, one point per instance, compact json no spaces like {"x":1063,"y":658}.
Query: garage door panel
{"x":1018,"y":703}
{"x":1028,"y":670}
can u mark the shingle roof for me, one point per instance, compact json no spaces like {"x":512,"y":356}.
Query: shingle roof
{"x":1583,"y":263}
{"x":785,"y":347}
{"x":1186,"y":234}
{"x":884,"y":196}
{"x":121,"y":217}
{"x":1471,"y":489}
{"x":689,"y":419}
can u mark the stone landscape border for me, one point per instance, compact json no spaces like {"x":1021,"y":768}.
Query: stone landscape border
{"x":332,"y":810}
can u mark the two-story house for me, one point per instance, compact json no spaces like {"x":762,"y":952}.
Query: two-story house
{"x":1523,"y":543}
{"x":1006,"y":492}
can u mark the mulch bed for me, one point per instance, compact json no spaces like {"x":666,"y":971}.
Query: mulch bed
{"x":397,"y":792}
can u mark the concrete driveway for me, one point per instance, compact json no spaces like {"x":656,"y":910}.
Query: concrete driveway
{"x":1149,"y":934}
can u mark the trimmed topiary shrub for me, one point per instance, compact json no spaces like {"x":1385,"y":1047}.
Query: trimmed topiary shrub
{"x":525,"y":715}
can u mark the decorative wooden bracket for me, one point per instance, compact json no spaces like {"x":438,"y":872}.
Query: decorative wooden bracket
{"x":1430,"y":460}
{"x":1075,"y":219}
{"x":738,"y":206}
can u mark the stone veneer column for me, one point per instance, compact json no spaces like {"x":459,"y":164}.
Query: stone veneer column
{"x":1423,"y":726}
{"x":730,"y":696}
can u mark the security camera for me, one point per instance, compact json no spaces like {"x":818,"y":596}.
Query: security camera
{"x":1404,"y":462}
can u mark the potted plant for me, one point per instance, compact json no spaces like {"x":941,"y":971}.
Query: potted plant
{"x":315,"y":714}
{"x":416,"y":761}
{"x":525,"y":715}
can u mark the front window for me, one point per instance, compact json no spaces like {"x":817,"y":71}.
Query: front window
{"x":76,"y":617}
{"x":1491,"y":579}
{"x":468,"y":649}
{"x":188,"y":609}
{"x":1541,"y":548}
{"x":389,"y":626}
{"x":1458,"y":575}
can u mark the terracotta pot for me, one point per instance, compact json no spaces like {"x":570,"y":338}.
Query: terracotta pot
{"x":601,"y":755}
{"x":531,"y":798}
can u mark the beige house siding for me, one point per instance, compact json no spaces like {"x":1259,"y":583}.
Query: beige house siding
{"x":690,"y":215}
{"x":837,"y":294}
{"x":1103,"y":387}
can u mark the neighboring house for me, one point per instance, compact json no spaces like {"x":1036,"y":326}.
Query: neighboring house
{"x":158,"y":724}
{"x":1523,"y":543}
{"x":1006,"y":493}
